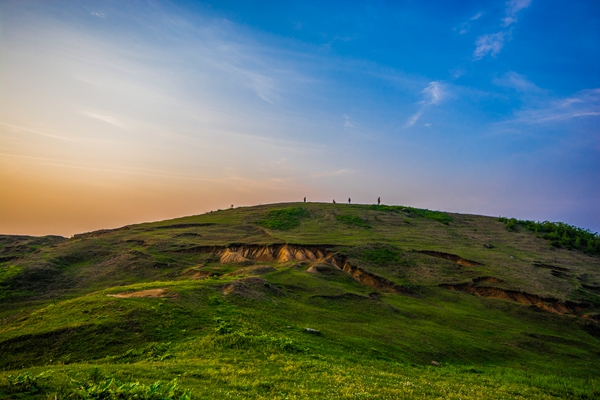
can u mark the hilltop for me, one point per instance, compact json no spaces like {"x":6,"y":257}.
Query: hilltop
{"x":398,"y":302}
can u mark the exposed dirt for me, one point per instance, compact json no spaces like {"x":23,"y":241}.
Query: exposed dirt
{"x":233,"y":257}
{"x":558,"y":272}
{"x":244,"y":254}
{"x":487,"y":279}
{"x":138,"y":242}
{"x":365,"y":277}
{"x":141,"y":293}
{"x":451,"y":257}
{"x":544,"y":303}
{"x":251,"y":288}
{"x":344,"y":296}
{"x":539,"y":264}
{"x":266,"y":253}
{"x":595,"y":289}
{"x":188,"y":234}
{"x":592,"y":317}
{"x":324,"y":269}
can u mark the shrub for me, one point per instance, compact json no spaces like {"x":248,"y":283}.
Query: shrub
{"x":559,"y":234}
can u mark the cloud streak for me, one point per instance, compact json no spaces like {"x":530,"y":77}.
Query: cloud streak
{"x":583,"y":104}
{"x":433,"y":95}
{"x":518,"y":82}
{"x":104,"y":118}
{"x":37,"y":132}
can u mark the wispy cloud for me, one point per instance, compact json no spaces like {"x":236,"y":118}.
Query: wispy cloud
{"x":98,"y":14}
{"x":16,"y":128}
{"x":517,"y":81}
{"x":512,"y":8}
{"x":105,"y":118}
{"x":465,"y":26}
{"x":434,"y":93}
{"x":492,"y":43}
{"x":489,"y":44}
{"x":347,"y":122}
{"x":583,"y":104}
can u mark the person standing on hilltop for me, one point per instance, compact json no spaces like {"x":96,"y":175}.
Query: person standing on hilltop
{"x":305,"y":199}
{"x":349,"y":200}
{"x":333,"y":201}
{"x":378,"y":200}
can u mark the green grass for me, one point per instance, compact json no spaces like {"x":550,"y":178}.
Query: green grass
{"x":353,"y":220}
{"x":439,"y":216}
{"x":62,"y":334}
{"x":284,"y":219}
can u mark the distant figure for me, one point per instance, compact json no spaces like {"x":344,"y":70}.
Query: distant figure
{"x":378,"y":200}
{"x":349,"y":200}
{"x":333,"y":201}
{"x":305,"y":199}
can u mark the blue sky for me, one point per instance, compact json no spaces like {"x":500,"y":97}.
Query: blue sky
{"x":119,"y":112}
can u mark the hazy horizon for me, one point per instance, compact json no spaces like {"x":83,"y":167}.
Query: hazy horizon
{"x":114,"y":113}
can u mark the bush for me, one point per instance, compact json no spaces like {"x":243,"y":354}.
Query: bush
{"x":559,"y":234}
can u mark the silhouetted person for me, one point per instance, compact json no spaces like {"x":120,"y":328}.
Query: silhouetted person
{"x":378,"y":200}
{"x":333,"y":201}
{"x":349,"y":200}
{"x":305,"y":199}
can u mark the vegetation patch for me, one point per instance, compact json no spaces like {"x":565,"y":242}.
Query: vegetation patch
{"x":6,"y":273}
{"x":422,"y":212}
{"x":379,"y":255}
{"x":353,"y":220}
{"x":559,"y":234}
{"x":284,"y":218}
{"x":113,"y":389}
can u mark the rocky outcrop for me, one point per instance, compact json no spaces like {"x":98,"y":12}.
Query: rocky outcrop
{"x":274,"y":252}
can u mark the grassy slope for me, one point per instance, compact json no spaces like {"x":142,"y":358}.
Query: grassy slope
{"x":57,"y":317}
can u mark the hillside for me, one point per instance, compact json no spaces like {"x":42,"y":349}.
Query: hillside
{"x":399,"y":302}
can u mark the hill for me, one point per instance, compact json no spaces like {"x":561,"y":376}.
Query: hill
{"x":303,"y":300}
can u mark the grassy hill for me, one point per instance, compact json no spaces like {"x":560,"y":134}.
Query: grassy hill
{"x":399,"y":303}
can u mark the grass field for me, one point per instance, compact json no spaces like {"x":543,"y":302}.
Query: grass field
{"x":217,"y":306}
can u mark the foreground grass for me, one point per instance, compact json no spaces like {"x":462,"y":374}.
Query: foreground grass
{"x":279,"y":376}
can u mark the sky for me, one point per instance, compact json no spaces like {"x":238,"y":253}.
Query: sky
{"x":113,"y":113}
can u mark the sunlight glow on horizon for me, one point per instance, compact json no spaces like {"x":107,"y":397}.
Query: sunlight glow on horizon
{"x":113,"y":114}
